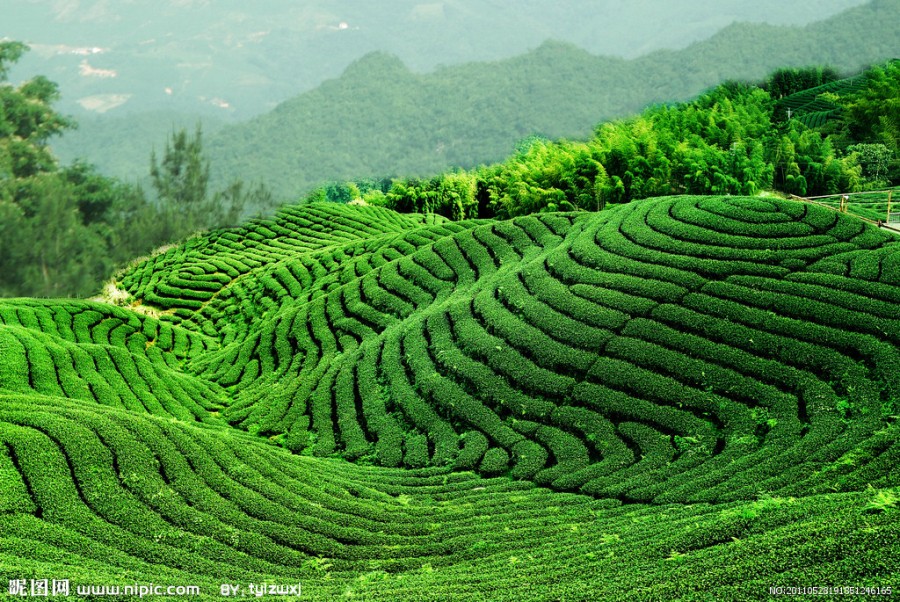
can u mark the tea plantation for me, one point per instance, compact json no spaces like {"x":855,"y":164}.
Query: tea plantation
{"x":682,"y":398}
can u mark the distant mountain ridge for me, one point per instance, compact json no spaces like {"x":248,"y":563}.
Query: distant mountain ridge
{"x":235,"y":60}
{"x":381,"y":119}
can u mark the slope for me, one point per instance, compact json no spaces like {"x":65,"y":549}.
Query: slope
{"x":679,"y":398}
{"x":552,"y":346}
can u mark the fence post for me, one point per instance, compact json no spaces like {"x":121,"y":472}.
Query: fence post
{"x":888,"y":220}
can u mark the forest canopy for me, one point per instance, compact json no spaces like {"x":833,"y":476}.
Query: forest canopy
{"x":734,"y":139}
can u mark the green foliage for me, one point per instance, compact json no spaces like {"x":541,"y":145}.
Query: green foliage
{"x":547,"y":177}
{"x":785,"y":82}
{"x":181,"y":178}
{"x":873,"y":111}
{"x":858,"y":115}
{"x":54,"y":223}
{"x":64,"y":229}
{"x":874,"y":159}
{"x":183,"y":202}
{"x":816,"y":104}
{"x":733,"y":139}
{"x":431,"y":120}
{"x":452,"y":195}
{"x":27,"y":121}
{"x":882,"y":501}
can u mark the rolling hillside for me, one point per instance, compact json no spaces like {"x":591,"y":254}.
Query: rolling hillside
{"x":680,"y":398}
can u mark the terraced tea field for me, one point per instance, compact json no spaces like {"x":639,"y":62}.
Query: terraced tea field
{"x":681,"y":398}
{"x":815,"y":106}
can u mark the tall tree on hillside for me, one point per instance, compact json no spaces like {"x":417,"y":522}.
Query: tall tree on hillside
{"x":46,"y":248}
{"x":181,"y":181}
{"x":59,"y":255}
{"x":875,"y":110}
{"x":27,"y":121}
{"x":62,"y":229}
{"x":874,"y":116}
{"x":183,"y":175}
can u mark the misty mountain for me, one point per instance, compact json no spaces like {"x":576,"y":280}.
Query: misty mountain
{"x":234,"y":60}
{"x":381,"y":119}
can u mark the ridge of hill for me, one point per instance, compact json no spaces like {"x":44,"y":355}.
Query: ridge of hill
{"x":381,"y":119}
{"x":681,"y":397}
{"x":228,"y":59}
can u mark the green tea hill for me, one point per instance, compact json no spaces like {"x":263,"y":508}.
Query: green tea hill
{"x":680,"y":398}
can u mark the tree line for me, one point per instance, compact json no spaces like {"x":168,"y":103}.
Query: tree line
{"x":730,"y":140}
